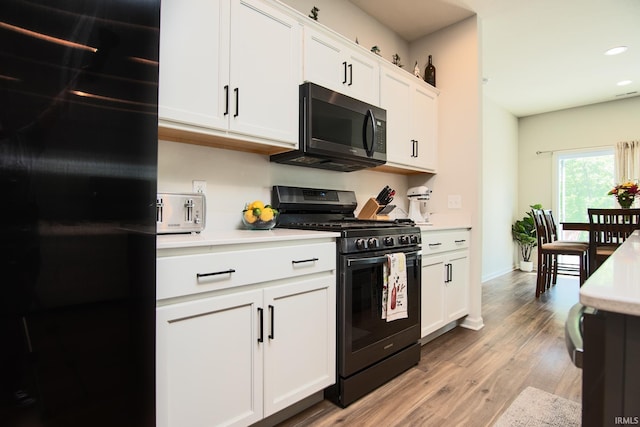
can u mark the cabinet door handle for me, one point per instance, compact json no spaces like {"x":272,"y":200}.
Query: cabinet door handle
{"x":447,"y":273}
{"x":260,"y":314}
{"x":350,"y":74}
{"x":344,"y":66}
{"x":272,"y":310}
{"x":417,"y":146}
{"x":237,"y":93}
{"x":413,"y":148}
{"x":304,"y":260}
{"x":215,"y":273}
{"x":226,"y":100}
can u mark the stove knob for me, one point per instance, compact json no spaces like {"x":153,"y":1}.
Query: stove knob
{"x":388,"y":241}
{"x":414,"y":238}
{"x":361,"y":244}
{"x":374,"y":243}
{"x":404,"y":240}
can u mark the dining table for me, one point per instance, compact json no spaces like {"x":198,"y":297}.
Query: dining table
{"x":575,"y":226}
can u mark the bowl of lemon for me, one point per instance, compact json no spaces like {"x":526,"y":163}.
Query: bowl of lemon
{"x":258,"y":216}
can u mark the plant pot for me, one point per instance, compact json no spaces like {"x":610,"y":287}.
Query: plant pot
{"x":526,"y":266}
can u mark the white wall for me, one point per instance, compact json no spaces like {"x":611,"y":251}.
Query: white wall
{"x":500,"y":189}
{"x":235,"y":178}
{"x":456,"y":56}
{"x":353,"y":23}
{"x":595,"y":125}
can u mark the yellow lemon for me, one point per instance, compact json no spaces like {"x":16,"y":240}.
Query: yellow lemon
{"x":266,"y":215}
{"x":249,"y":217}
{"x":256,"y":204}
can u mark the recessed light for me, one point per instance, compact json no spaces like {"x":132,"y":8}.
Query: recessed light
{"x":616,"y":50}
{"x":624,"y":83}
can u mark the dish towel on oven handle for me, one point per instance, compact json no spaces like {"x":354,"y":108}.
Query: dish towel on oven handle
{"x":394,"y":289}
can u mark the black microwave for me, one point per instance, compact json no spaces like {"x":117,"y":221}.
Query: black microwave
{"x":337,"y":132}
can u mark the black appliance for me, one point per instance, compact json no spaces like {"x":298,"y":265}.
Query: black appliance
{"x":606,"y":346}
{"x":337,"y":132}
{"x":78,"y":181}
{"x":370,"y":350}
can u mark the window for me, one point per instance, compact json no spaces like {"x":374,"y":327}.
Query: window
{"x":583,"y":179}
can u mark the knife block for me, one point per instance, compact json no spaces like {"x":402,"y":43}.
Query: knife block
{"x":370,"y":210}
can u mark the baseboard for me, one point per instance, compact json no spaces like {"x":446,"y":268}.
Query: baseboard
{"x":292,"y":410}
{"x":497,"y":274}
{"x":475,"y":323}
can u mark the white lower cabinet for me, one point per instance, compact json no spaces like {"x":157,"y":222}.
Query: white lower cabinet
{"x":209,"y":362}
{"x":445,"y":278}
{"x":236,"y":356}
{"x":299,"y":342}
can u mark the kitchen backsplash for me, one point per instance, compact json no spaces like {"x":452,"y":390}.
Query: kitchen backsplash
{"x":235,"y":178}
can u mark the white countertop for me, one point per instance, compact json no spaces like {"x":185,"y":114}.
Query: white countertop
{"x":231,"y":237}
{"x":615,"y":285}
{"x":435,"y":227}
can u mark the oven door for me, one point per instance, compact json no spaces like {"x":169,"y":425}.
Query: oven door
{"x":364,"y":338}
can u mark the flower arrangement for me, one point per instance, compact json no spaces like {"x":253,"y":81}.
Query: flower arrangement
{"x":625,"y":193}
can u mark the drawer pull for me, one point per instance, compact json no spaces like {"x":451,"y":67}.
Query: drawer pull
{"x":460,"y":241}
{"x":215,"y":273}
{"x":434,"y":244}
{"x":304,"y":260}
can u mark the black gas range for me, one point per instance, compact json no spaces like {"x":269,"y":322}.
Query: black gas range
{"x":333,"y":210}
{"x":370,"y":349}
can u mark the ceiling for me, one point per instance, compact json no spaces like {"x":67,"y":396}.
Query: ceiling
{"x":537,"y":56}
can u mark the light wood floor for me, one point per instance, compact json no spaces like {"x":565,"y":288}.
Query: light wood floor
{"x":468,"y":378}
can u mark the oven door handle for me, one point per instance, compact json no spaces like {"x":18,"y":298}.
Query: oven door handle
{"x":376,"y":260}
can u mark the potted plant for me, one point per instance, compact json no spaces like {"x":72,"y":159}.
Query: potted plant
{"x":524,"y":232}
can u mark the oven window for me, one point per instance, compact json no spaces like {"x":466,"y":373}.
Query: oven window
{"x":367,"y":326}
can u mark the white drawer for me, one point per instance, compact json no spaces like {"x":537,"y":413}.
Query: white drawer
{"x":191,"y":274}
{"x":437,"y":241}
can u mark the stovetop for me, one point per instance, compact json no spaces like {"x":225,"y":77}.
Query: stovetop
{"x":344,"y":224}
{"x":333,"y":210}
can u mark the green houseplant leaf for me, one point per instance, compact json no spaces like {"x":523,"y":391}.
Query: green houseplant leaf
{"x":524,"y":232}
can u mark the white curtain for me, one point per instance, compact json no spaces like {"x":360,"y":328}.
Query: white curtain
{"x":627,"y":161}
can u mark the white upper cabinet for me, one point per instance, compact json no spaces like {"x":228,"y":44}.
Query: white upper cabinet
{"x":265,"y":71}
{"x":232,"y":67}
{"x":335,"y":63}
{"x":194,"y":37}
{"x":411,"y":106}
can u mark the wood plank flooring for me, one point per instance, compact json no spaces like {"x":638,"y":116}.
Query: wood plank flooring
{"x":468,"y":378}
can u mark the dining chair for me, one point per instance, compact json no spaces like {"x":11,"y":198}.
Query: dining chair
{"x":549,"y":248}
{"x":608,"y":229}
{"x":552,"y":230}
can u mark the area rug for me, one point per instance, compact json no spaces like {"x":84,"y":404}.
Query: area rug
{"x":534,"y":407}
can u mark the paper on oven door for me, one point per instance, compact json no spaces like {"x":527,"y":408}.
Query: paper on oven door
{"x":394,"y":291}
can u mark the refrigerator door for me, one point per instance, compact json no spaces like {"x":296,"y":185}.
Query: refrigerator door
{"x":78,"y":173}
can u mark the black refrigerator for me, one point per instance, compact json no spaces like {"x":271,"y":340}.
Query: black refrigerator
{"x":78,"y":173}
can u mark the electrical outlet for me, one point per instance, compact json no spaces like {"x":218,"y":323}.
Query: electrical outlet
{"x":455,"y":201}
{"x":199,"y":186}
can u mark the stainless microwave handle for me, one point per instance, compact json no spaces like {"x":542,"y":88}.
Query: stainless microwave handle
{"x":373,"y":128}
